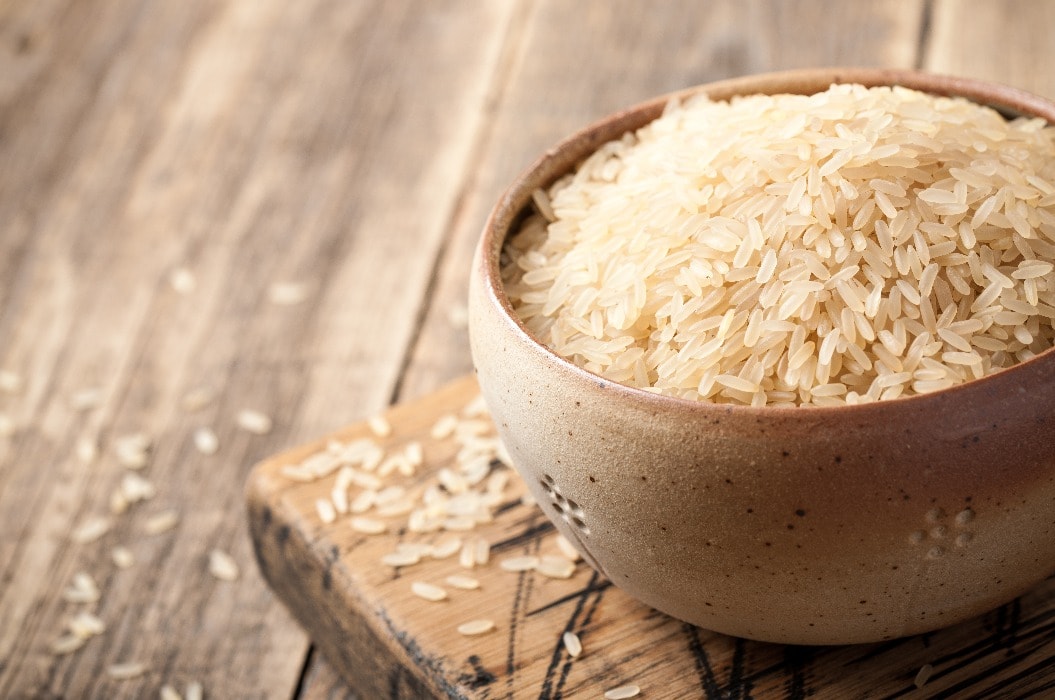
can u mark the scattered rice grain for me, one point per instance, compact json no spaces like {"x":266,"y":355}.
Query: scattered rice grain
{"x":326,"y":510}
{"x":10,"y":382}
{"x":465,"y":583}
{"x":368,"y":526}
{"x":91,"y":529}
{"x":182,"y":280}
{"x":572,"y":644}
{"x":923,"y":675}
{"x":475,"y":627}
{"x":197,"y":399}
{"x":161,"y":522}
{"x":428,"y":591}
{"x":206,"y":441}
{"x":526,"y":563}
{"x":169,"y":693}
{"x":126,"y":671}
{"x":288,"y":293}
{"x":622,"y":692}
{"x":122,"y":557}
{"x":86,"y":399}
{"x":379,"y":426}
{"x":223,"y":566}
{"x":254,"y":422}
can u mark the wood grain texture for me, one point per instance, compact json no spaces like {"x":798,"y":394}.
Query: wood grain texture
{"x":355,"y":146}
{"x":243,"y":140}
{"x":388,"y":643}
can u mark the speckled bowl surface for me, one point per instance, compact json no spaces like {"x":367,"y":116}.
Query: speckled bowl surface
{"x":798,"y":525}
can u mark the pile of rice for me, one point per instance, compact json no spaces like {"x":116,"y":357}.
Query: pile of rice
{"x":846,"y":247}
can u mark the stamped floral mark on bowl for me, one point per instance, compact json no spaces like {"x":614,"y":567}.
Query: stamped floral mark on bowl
{"x":570,"y":511}
{"x":937,"y":533}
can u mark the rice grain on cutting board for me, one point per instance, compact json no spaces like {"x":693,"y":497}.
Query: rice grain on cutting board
{"x":475,"y":627}
{"x":923,"y":675}
{"x":622,"y":692}
{"x":572,"y":644}
{"x":428,"y":591}
{"x":851,"y":246}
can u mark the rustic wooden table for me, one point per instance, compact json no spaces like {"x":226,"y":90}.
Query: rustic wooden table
{"x":277,"y":202}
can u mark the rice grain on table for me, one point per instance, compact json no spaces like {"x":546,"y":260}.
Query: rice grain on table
{"x":206,"y":441}
{"x":222,"y":566}
{"x":10,"y":382}
{"x":91,"y":529}
{"x":161,"y":522}
{"x":923,"y":675}
{"x":122,"y":557}
{"x":194,"y":691}
{"x":254,"y":422}
{"x":82,"y":589}
{"x":851,"y":246}
{"x":169,"y":693}
{"x":126,"y":671}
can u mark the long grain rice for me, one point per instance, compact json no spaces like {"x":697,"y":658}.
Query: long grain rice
{"x":715,"y":255}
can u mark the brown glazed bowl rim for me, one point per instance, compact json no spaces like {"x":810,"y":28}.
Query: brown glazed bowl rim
{"x":570,"y":152}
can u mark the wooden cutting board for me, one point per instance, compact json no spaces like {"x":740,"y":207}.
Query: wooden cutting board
{"x":389,"y":643}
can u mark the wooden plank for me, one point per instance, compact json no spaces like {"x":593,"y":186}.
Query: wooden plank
{"x":389,"y":643}
{"x":242,"y":140}
{"x":1006,"y":42}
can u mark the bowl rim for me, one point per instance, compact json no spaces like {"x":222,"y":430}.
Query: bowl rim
{"x":568,"y":153}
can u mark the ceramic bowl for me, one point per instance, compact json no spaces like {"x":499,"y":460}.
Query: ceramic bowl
{"x":803,"y":525}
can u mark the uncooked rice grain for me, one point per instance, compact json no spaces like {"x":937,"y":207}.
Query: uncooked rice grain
{"x":475,"y":627}
{"x":205,"y":441}
{"x":91,"y":529}
{"x":161,"y":522}
{"x":86,"y":625}
{"x":82,"y":589}
{"x":465,"y":583}
{"x":379,"y":426}
{"x":169,"y":693}
{"x":622,"y":692}
{"x":526,"y":563}
{"x":10,"y":382}
{"x":288,"y":293}
{"x":122,"y":557}
{"x":222,"y":566}
{"x":194,"y":691}
{"x":428,"y":591}
{"x":86,"y":399}
{"x":555,"y":567}
{"x":126,"y":671}
{"x":182,"y":280}
{"x":67,"y":644}
{"x":254,"y":421}
{"x":923,"y":675}
{"x":572,"y":644}
{"x":792,"y":250}
{"x":326,"y":510}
